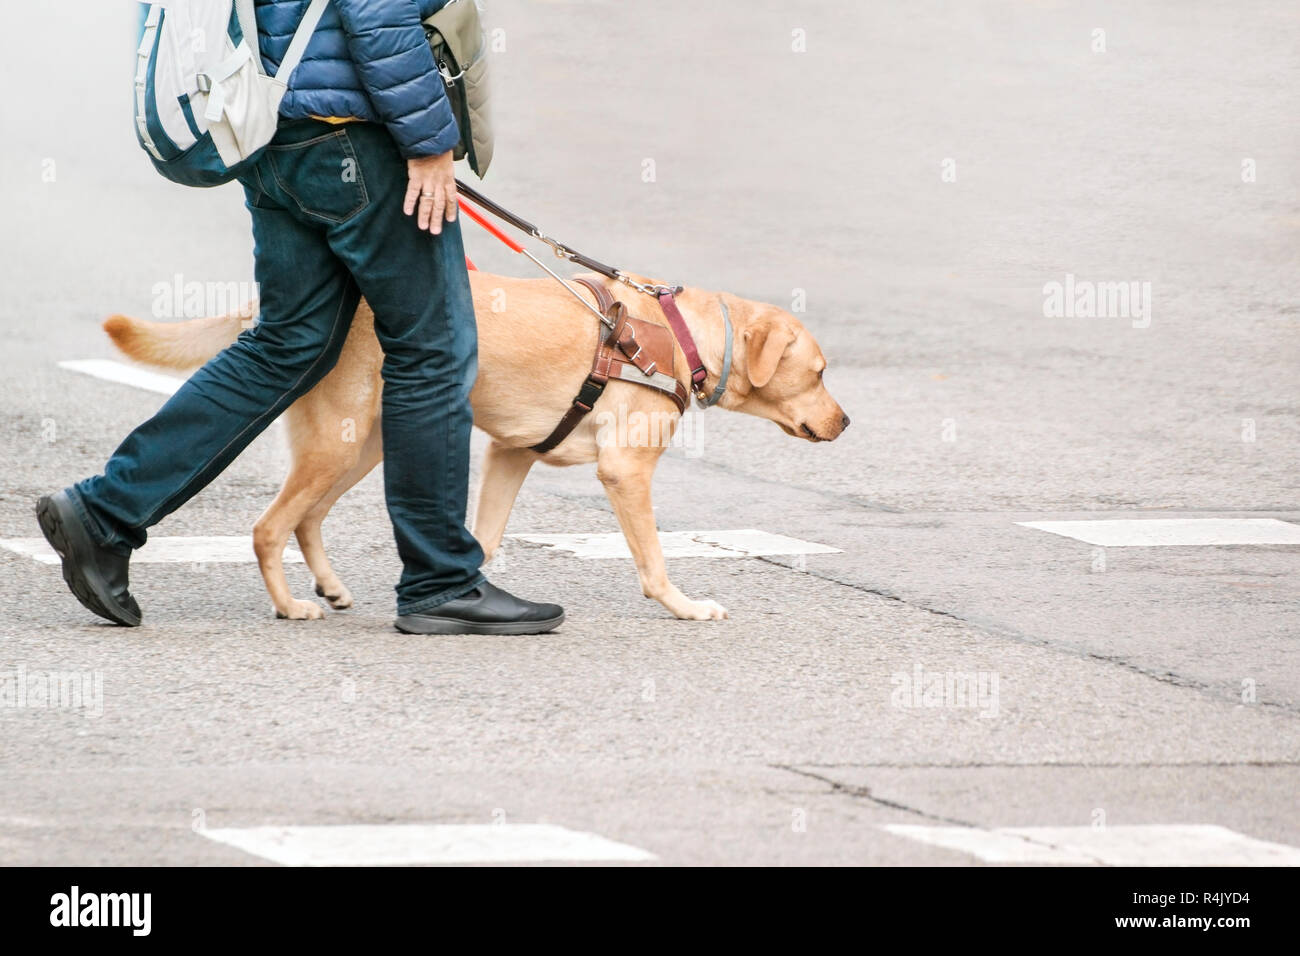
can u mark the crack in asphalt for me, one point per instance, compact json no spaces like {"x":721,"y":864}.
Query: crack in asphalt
{"x":989,"y":627}
{"x":1020,"y":637}
{"x":864,"y":793}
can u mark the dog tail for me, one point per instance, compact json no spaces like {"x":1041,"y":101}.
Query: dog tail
{"x":175,"y":345}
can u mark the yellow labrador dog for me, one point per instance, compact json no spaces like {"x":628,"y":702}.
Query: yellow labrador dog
{"x":535,"y":347}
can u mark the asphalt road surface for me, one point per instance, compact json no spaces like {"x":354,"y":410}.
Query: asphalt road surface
{"x":913,"y":178}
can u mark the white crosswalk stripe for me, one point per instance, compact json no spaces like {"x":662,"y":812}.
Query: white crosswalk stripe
{"x":1172,"y":532}
{"x":743,"y":543}
{"x":1137,"y":845}
{"x":125,"y":375}
{"x":209,"y":549}
{"x":417,"y":844}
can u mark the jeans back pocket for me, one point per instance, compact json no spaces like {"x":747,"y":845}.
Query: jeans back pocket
{"x":321,"y":175}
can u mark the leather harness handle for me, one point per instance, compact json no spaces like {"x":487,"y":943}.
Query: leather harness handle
{"x":603,"y":299}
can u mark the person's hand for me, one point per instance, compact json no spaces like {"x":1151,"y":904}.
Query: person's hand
{"x":431,"y":190}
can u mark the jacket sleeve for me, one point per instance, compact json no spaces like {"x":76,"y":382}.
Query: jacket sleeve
{"x":387,"y":44}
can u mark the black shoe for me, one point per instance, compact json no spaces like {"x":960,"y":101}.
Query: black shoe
{"x":96,"y":574}
{"x":485,"y":610}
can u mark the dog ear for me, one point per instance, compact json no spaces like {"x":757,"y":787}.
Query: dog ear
{"x":765,"y":341}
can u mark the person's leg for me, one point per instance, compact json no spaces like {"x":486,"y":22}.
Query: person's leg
{"x":306,"y":303}
{"x":307,"y":300}
{"x":417,"y":285}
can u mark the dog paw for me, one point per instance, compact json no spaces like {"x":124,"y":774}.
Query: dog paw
{"x":704,"y":611}
{"x":301,"y":611}
{"x":339,"y":599}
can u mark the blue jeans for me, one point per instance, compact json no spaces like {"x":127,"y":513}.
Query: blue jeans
{"x":328,"y":227}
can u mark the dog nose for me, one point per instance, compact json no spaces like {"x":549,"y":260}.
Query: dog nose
{"x":844,"y":422}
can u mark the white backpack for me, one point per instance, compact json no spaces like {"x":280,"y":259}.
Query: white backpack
{"x":204,"y":105}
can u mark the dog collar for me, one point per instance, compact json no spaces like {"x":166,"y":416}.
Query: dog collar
{"x":721,"y":388}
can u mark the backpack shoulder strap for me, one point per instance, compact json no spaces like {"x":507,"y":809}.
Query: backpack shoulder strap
{"x":247,"y":16}
{"x":301,"y":37}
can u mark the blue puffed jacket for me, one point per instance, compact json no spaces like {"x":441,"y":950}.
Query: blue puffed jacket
{"x":368,"y":60}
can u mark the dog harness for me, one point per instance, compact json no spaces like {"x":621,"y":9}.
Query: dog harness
{"x":629,"y":350}
{"x":634,"y":350}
